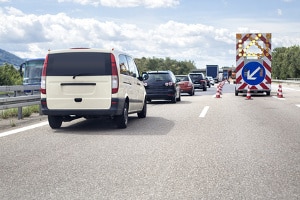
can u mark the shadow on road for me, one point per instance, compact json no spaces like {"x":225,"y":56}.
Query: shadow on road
{"x":136,"y":126}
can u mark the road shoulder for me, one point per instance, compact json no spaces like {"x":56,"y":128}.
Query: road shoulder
{"x":14,"y":122}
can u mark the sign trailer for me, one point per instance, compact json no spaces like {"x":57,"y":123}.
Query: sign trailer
{"x":253,"y":63}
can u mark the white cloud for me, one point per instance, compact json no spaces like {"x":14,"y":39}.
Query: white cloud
{"x":127,"y":3}
{"x":32,"y":36}
{"x":279,"y":12}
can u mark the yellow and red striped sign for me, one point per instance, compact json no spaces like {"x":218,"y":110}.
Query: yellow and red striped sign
{"x":261,"y":44}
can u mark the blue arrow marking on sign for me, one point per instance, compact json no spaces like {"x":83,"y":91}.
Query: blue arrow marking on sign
{"x":253,"y":73}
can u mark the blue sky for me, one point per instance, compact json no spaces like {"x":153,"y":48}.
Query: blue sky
{"x":200,"y":31}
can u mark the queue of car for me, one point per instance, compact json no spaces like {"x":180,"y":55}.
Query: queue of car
{"x":164,"y":85}
{"x":109,"y":85}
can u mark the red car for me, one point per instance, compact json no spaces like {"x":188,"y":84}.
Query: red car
{"x":186,"y":84}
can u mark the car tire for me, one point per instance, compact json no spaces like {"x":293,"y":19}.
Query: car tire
{"x":55,"y":122}
{"x":173,"y":100}
{"x":122,"y":120}
{"x":236,"y":92}
{"x":179,"y":98}
{"x":143,"y":112}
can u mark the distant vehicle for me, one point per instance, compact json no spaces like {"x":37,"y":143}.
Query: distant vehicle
{"x":213,"y":71}
{"x":162,"y":85}
{"x":207,"y":82}
{"x":31,"y":70}
{"x":211,"y":80}
{"x":186,"y":84}
{"x":91,"y":83}
{"x":199,"y":80}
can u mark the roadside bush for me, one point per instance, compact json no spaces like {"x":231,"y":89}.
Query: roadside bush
{"x":13,"y":112}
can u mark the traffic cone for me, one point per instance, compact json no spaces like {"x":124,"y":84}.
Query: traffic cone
{"x":248,"y":97}
{"x":218,"y":93}
{"x":220,"y":89}
{"x":279,"y":93}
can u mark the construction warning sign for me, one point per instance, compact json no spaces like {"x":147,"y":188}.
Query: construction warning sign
{"x":253,"y":62}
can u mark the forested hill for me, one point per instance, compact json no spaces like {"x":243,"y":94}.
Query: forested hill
{"x":9,"y":58}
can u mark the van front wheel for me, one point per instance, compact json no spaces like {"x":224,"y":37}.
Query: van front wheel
{"x":55,"y":122}
{"x":122,"y":120}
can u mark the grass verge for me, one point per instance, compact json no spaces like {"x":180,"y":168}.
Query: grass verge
{"x":13,"y":112}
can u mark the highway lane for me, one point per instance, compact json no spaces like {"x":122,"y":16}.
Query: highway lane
{"x":238,"y":149}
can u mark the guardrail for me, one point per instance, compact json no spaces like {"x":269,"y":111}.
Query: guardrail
{"x":288,"y":82}
{"x":18,"y":96}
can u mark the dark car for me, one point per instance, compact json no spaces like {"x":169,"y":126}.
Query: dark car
{"x":199,"y":80}
{"x":186,"y":84}
{"x":162,"y":85}
{"x":208,"y":82}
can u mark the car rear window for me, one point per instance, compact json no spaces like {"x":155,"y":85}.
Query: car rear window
{"x":154,"y":77}
{"x":196,"y":76}
{"x":79,"y":63}
{"x":183,"y":78}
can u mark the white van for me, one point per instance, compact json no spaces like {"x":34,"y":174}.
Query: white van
{"x":89,"y":83}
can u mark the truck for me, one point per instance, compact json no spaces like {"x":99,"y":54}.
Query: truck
{"x":213,"y":71}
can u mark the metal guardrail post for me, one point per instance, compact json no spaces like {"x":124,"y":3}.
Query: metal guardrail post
{"x":19,"y":113}
{"x":20,"y":98}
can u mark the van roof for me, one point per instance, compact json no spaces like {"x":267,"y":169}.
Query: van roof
{"x":81,"y":49}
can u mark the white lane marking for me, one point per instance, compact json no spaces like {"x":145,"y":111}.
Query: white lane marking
{"x":23,"y":129}
{"x":204,"y":111}
{"x":298,"y":105}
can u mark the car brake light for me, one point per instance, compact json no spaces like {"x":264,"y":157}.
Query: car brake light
{"x":168,"y":83}
{"x":114,"y":75}
{"x":43,"y":77}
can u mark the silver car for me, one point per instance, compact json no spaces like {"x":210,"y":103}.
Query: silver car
{"x":211,"y":80}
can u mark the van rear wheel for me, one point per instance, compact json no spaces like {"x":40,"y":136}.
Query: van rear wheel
{"x":122,"y":120}
{"x":55,"y":122}
{"x":143,"y":112}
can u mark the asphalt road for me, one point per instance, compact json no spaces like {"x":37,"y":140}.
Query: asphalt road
{"x":200,"y":148}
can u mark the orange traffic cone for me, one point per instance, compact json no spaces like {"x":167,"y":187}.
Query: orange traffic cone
{"x":218,"y":93}
{"x":248,"y":97}
{"x":279,"y":93}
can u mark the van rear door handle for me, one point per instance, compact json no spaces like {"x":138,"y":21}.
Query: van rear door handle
{"x":78,"y":99}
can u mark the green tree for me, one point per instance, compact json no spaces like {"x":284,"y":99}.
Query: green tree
{"x":9,"y":75}
{"x":153,"y":64}
{"x":286,"y":62}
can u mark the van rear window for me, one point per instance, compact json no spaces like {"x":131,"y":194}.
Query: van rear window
{"x":79,"y":63}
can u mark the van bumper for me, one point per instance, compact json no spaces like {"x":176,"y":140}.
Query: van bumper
{"x":115,"y":109}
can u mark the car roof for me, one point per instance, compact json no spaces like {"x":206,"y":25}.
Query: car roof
{"x":161,"y":71}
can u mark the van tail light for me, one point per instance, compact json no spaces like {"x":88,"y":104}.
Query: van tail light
{"x":114,"y":75}
{"x":43,"y":78}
